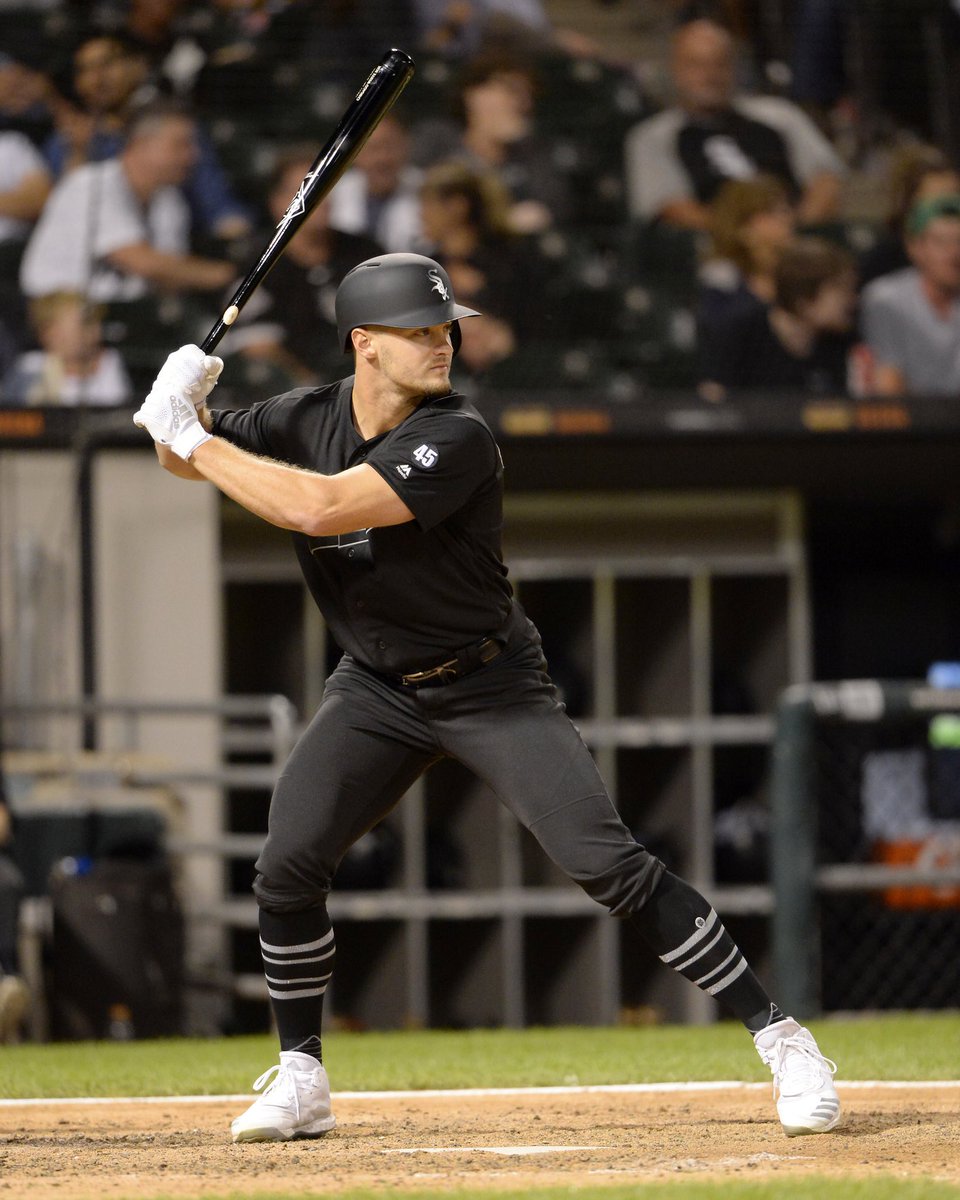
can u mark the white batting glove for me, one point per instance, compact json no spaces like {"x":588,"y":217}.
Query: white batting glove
{"x":169,"y":413}
{"x":171,"y":420}
{"x":190,"y":373}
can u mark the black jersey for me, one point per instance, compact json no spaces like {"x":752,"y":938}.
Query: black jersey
{"x":402,"y":597}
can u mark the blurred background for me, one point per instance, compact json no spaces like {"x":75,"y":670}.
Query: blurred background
{"x":717,"y":246}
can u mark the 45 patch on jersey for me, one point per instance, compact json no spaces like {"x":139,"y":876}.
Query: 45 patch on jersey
{"x":426,"y":456}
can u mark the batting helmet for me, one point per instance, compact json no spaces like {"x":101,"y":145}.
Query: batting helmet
{"x":401,"y":291}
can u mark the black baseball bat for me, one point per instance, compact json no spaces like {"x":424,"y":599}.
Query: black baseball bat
{"x":384,"y":84}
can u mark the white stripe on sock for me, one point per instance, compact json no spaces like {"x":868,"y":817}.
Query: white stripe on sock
{"x":297,"y":995}
{"x":327,"y":937}
{"x":737,"y":971}
{"x":688,"y":962}
{"x":305,"y":979}
{"x":716,"y":970}
{"x":294,"y":961}
{"x":691,"y":940}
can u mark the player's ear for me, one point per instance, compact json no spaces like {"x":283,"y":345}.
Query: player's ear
{"x":363,"y":343}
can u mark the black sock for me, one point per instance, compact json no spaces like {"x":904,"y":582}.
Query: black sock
{"x":298,"y":951}
{"x":767,"y":1016}
{"x":684,"y":931}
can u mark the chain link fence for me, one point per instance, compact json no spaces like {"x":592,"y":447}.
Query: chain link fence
{"x":866,"y":847}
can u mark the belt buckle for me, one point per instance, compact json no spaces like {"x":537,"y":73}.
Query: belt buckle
{"x":446,"y":671}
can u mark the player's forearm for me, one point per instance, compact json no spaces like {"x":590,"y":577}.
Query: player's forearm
{"x":172,"y":462}
{"x":283,"y":495}
{"x":176,"y":466}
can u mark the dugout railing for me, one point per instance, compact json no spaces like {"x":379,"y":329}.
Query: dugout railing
{"x":865,"y":846}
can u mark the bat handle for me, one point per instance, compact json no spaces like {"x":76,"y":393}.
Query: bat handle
{"x":229,"y":315}
{"x":212,"y":340}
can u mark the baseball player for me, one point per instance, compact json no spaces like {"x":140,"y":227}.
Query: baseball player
{"x":392,"y":487}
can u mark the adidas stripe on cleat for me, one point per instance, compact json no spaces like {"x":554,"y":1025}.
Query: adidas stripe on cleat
{"x":296,"y":1104}
{"x":807,"y":1101}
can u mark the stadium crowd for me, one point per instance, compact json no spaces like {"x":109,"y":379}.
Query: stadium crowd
{"x":700,"y":234}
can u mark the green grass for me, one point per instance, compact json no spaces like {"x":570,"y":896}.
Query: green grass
{"x":915,"y":1046}
{"x":814,"y":1187}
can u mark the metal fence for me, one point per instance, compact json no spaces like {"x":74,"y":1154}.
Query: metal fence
{"x":866,"y":847}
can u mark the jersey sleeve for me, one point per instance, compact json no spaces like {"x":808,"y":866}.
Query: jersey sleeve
{"x":436,"y":465}
{"x":261,"y":429}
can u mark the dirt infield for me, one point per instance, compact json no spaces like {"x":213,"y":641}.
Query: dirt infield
{"x":113,"y":1151}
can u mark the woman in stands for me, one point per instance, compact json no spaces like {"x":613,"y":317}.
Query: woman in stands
{"x":751,"y":222}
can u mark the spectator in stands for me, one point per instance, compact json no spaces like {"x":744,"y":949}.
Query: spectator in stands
{"x":496,"y":133}
{"x":111,"y":78}
{"x":751,"y":222}
{"x":110,"y":74}
{"x":379,"y":196}
{"x":918,"y":172}
{"x":461,"y":28}
{"x":911,"y":318}
{"x":117,"y":229}
{"x":802,"y":342}
{"x":73,"y":367}
{"x":24,"y":187}
{"x":289,"y":322}
{"x":25,"y":93}
{"x":335,"y":42}
{"x":466,"y":229}
{"x":677,"y":161}
{"x":153,"y":25}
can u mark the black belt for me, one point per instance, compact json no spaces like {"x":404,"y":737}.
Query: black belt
{"x":471,"y":658}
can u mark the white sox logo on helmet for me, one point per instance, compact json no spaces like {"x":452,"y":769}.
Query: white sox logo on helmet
{"x":438,"y":285}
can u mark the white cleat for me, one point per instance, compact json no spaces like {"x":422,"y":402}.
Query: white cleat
{"x":807,"y":1101}
{"x":295,"y":1105}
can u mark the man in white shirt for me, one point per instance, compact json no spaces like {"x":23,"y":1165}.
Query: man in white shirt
{"x":117,"y":229}
{"x":679,"y":159}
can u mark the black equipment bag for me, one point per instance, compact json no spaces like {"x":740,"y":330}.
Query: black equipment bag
{"x":116,"y":962}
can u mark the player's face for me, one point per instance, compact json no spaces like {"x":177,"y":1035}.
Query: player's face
{"x":415,"y":361}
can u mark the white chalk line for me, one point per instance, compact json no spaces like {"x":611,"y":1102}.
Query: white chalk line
{"x":627,"y":1089}
{"x":508,"y":1151}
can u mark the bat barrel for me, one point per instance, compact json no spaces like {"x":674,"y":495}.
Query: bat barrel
{"x":372,"y":102}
